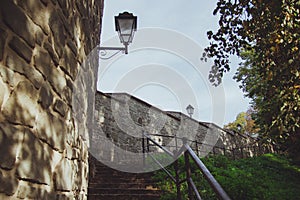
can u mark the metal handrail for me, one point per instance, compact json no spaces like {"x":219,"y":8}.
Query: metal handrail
{"x":208,"y":176}
{"x":155,"y":160}
{"x":194,"y":189}
{"x":191,"y":185}
{"x":158,"y":145}
{"x":165,"y":170}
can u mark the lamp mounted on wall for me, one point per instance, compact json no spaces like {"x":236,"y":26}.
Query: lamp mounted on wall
{"x":125,"y":25}
{"x":190,"y":110}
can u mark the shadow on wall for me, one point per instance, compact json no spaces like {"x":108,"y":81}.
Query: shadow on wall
{"x":42,"y":46}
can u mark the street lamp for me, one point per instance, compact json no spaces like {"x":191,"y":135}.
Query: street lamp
{"x":239,"y":128}
{"x":190,"y":110}
{"x":125,"y":25}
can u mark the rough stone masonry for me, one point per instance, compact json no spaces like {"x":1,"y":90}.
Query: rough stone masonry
{"x":43,"y":46}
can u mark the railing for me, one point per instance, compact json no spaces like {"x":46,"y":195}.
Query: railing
{"x":188,"y":152}
{"x":237,"y":152}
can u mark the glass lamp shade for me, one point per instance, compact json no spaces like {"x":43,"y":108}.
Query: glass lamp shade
{"x":190,"y":110}
{"x":239,"y":127}
{"x":126,"y":25}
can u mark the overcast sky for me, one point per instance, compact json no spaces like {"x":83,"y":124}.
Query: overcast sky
{"x":163,"y":66}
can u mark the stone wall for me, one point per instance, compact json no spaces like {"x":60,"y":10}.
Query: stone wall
{"x":43,"y":49}
{"x":122,"y":119}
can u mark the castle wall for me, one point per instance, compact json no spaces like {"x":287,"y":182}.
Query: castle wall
{"x":44,"y":45}
{"x":122,"y":119}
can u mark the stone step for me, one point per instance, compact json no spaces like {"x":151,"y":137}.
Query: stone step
{"x":128,"y":191}
{"x":110,"y":184}
{"x":123,"y":197}
{"x":121,"y":185}
{"x":118,"y":174}
{"x":141,"y":184}
{"x":121,"y":178}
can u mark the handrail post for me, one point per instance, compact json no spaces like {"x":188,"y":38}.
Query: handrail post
{"x":242,"y":154}
{"x":233,"y":153}
{"x":177,"y":177}
{"x":176,"y":143}
{"x":188,"y":174}
{"x":197,"y":150}
{"x":188,"y":170}
{"x":144,"y":150}
{"x":148,"y":145}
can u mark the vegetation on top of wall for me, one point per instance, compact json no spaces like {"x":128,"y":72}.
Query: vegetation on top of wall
{"x":269,"y":176}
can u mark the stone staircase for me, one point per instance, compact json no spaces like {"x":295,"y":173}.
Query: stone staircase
{"x":109,"y":184}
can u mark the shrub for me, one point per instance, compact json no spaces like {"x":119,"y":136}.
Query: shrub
{"x":269,"y":176}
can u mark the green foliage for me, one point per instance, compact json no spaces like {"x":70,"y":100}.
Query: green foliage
{"x":245,"y":121}
{"x":269,"y":176}
{"x":239,"y":120}
{"x":266,"y":35}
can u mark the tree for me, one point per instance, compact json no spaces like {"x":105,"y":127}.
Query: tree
{"x":240,"y":120}
{"x":266,"y":35}
{"x":250,"y":127}
{"x":245,"y":121}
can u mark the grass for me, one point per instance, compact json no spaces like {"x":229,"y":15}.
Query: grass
{"x":269,"y":176}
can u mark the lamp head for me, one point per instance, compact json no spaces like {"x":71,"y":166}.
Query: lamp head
{"x":126,"y":24}
{"x":190,"y":110}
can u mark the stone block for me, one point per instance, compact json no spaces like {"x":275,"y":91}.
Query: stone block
{"x":67,"y":26}
{"x":4,"y":92}
{"x":3,"y":36}
{"x":45,"y":96}
{"x":72,"y":46}
{"x":61,"y":107}
{"x":51,"y":52}
{"x":39,"y":37}
{"x":64,"y":175}
{"x":17,"y":64}
{"x":70,"y":136}
{"x":35,"y":160}
{"x":10,"y":79}
{"x":56,"y":25}
{"x":64,"y":5}
{"x":81,"y":177}
{"x":17,"y":20}
{"x":84,"y":151}
{"x":21,"y":107}
{"x":69,"y":63}
{"x":81,"y":197}
{"x":21,"y":48}
{"x":38,"y":13}
{"x":69,"y":196}
{"x":7,"y":75}
{"x":67,"y":95}
{"x":75,"y":153}
{"x":43,"y":62}
{"x":81,"y":8}
{"x":54,"y":75}
{"x":11,"y":138}
{"x":9,"y":183}
{"x":68,"y":152}
{"x":29,"y":192}
{"x":51,"y":129}
{"x":58,"y":80}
